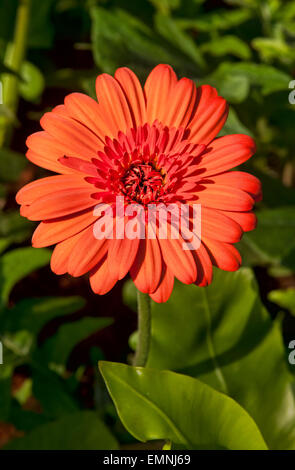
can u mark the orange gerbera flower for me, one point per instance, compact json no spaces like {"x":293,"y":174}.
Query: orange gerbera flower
{"x":152,"y":146}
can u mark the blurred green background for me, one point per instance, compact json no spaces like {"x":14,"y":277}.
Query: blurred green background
{"x":54,"y":329}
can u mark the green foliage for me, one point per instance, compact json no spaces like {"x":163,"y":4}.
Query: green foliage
{"x":32,"y":82}
{"x":13,"y":228}
{"x":5,"y":387}
{"x":284,"y":298}
{"x":25,"y":420}
{"x":7,"y":18}
{"x":41,"y":32}
{"x":51,"y":392}
{"x":228,"y":341}
{"x":169,"y":29}
{"x":227,"y":45}
{"x":11,"y":165}
{"x":228,"y":385}
{"x":82,"y":430}
{"x":178,"y":408}
{"x":268,"y":78}
{"x":217,"y":20}
{"x":33,"y":313}
{"x":273,"y":240}
{"x":121,"y":39}
{"x":58,"y":348}
{"x":17,"y":264}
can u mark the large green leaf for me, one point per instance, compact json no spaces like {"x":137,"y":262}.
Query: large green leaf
{"x":229,"y":341}
{"x":17,"y":264}
{"x":155,"y":404}
{"x":82,"y":430}
{"x":58,"y":348}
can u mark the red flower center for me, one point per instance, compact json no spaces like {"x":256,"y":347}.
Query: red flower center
{"x":142,"y":183}
{"x":150,"y":164}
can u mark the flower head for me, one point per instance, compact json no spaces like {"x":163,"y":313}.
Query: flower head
{"x":153,"y":146}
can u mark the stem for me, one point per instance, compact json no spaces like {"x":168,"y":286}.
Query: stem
{"x":14,"y":58}
{"x":144,"y":329}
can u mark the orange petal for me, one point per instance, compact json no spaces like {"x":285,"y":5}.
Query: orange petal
{"x":165,"y":288}
{"x":87,"y":253}
{"x":61,"y":203}
{"x":147,"y":268}
{"x":209,"y":116}
{"x":101,"y":280}
{"x":121,"y":256}
{"x":158,"y":88}
{"x":218,"y":226}
{"x":240,"y":180}
{"x":180,"y":104}
{"x":179,"y":261}
{"x":76,"y":139}
{"x":113,"y":104}
{"x":246,"y":220}
{"x":87,"y":111}
{"x":226,"y":153}
{"x":205,"y":95}
{"x":44,"y":186}
{"x":225,"y":198}
{"x":61,"y":253}
{"x":54,"y":231}
{"x":204,"y":267}
{"x":223,"y":255}
{"x":61,"y":110}
{"x":45,"y":151}
{"x":134,"y":94}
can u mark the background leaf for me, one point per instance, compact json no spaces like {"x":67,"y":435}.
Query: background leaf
{"x":274,"y":236}
{"x":284,"y":298}
{"x":51,"y":392}
{"x":227,"y":45}
{"x":33,"y":314}
{"x":58,"y":348}
{"x":82,"y":430}
{"x":169,"y":29}
{"x":17,"y":264}
{"x":32,"y":85}
{"x":11,"y":165}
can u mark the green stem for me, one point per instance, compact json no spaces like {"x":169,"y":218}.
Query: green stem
{"x":14,"y":58}
{"x":144,"y":329}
